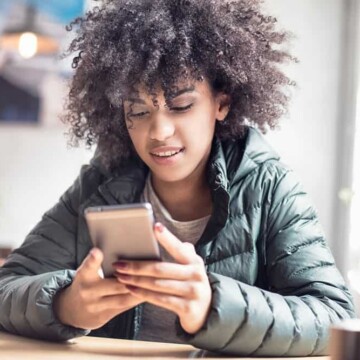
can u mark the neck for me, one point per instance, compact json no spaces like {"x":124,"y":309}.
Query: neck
{"x":185,"y":200}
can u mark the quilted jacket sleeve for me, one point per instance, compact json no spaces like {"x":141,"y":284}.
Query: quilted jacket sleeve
{"x":304,"y":296}
{"x":35,"y":272}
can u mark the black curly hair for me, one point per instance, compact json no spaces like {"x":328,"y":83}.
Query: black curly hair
{"x":122,"y":43}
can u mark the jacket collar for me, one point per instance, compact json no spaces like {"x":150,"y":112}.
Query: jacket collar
{"x":232,"y":160}
{"x":127,"y":185}
{"x":217,"y":167}
{"x":256,"y":151}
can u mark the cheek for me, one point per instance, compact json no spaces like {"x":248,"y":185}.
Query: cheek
{"x":137,"y":139}
{"x":136,"y":132}
{"x":204,"y":125}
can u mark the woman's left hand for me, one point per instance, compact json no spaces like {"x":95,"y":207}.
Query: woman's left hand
{"x":182,"y":287}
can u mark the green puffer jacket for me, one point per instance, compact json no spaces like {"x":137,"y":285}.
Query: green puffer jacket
{"x":275,"y":287}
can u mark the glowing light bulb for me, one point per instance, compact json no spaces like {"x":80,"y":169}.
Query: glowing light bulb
{"x":28,"y":45}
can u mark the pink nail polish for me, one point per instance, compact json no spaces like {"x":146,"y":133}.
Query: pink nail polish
{"x":93,"y":252}
{"x":120,"y":265}
{"x":159,"y":227}
{"x":131,"y":288}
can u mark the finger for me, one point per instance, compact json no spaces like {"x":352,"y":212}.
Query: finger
{"x":107,"y":287}
{"x":182,"y":252}
{"x":90,"y":267}
{"x":158,"y":269}
{"x":169,"y":302}
{"x":118,"y":302}
{"x":185,"y":289}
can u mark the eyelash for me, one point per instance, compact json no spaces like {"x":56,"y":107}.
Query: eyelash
{"x":138,"y":115}
{"x":182,"y":109}
{"x":176,"y":109}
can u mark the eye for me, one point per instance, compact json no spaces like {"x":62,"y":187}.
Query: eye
{"x":181,"y":108}
{"x":139,"y":115}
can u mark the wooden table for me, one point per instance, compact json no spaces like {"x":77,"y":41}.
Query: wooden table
{"x":15,"y":347}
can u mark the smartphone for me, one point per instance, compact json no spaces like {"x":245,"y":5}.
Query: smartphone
{"x":123,"y":232}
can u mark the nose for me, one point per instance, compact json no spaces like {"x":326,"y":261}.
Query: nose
{"x":161,"y":128}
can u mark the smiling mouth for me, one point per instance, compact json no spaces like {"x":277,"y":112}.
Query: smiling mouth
{"x":167,"y":154}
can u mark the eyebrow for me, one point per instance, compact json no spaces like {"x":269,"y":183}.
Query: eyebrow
{"x":136,"y":100}
{"x":173,"y":96}
{"x":182,"y":91}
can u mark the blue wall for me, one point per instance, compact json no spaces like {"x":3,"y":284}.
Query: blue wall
{"x":62,"y":10}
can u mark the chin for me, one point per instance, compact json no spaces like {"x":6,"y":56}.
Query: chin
{"x":170,"y":175}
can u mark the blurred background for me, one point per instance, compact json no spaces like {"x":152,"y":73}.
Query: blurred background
{"x":319,"y":138}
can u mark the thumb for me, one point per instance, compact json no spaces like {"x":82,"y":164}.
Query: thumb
{"x":90,"y":268}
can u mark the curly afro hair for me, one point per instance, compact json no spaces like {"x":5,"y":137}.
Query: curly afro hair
{"x":123,"y":43}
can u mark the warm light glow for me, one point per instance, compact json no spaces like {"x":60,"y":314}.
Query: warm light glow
{"x":28,"y":45}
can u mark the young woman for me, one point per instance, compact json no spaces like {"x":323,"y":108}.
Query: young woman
{"x":176,"y":93}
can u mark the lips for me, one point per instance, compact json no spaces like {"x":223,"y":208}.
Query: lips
{"x":167,"y":155}
{"x":166,"y":151}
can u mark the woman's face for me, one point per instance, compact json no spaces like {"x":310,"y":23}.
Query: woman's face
{"x":174,"y":138}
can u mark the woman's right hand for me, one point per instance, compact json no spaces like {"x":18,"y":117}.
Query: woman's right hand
{"x":91,"y":301}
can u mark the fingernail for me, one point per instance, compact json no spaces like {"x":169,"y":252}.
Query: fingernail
{"x":93,"y":252}
{"x":131,"y":288}
{"x":159,"y":227}
{"x":123,"y":276}
{"x":120,"y":264}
